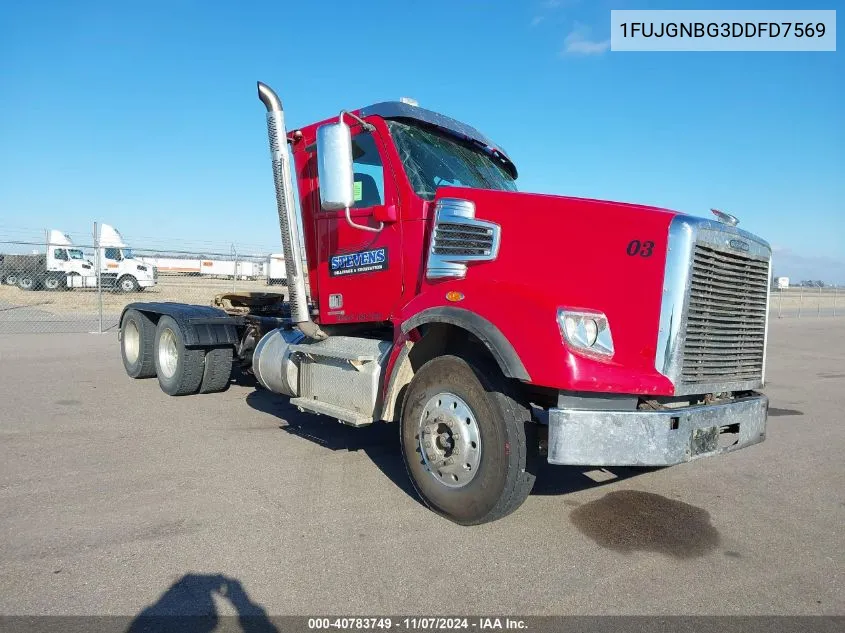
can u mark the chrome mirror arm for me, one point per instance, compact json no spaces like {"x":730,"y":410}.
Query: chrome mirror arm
{"x":363,"y":227}
{"x":369,"y":127}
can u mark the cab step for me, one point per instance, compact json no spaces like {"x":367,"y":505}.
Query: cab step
{"x":352,"y":418}
{"x":349,"y":348}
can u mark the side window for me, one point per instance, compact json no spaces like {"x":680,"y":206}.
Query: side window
{"x":113,"y":253}
{"x":61,"y":254}
{"x":368,"y":181}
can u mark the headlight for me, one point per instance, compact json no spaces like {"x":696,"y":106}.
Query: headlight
{"x":586,"y":331}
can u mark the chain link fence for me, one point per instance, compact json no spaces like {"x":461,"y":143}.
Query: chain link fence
{"x":808,"y":302}
{"x":57,"y":285}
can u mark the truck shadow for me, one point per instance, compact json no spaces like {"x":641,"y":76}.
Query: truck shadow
{"x":380,"y":442}
{"x":564,"y":480}
{"x":189,"y":605}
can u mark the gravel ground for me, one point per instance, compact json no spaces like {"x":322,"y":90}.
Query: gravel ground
{"x":34,"y":312}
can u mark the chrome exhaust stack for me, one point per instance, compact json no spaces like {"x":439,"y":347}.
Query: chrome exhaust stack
{"x":287,"y":214}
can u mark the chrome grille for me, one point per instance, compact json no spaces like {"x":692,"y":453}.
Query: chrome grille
{"x":726,"y":318}
{"x":462,"y":239}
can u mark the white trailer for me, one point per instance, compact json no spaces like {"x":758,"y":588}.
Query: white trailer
{"x":173,"y":265}
{"x":276,"y":270}
{"x":229,"y":268}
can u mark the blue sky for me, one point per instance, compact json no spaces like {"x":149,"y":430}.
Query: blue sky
{"x":144,"y":114}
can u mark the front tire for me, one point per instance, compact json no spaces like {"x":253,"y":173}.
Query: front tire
{"x":128,"y":283}
{"x":54,"y":282}
{"x":137,"y":344}
{"x":454,"y":404}
{"x":179,"y":369}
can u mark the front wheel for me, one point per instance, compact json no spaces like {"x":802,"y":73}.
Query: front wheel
{"x":464,"y":441}
{"x":54,"y":282}
{"x":128,"y":283}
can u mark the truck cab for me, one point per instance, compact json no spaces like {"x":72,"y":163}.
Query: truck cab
{"x":67,"y":266}
{"x":118,"y":266}
{"x":598,"y":333}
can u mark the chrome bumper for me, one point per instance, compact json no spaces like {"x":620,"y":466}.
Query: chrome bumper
{"x":654,"y":438}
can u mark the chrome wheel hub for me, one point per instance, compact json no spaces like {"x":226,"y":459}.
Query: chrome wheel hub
{"x":449,"y":440}
{"x":168,"y":356}
{"x":131,"y":342}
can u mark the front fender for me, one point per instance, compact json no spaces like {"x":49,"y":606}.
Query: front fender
{"x":527,"y":323}
{"x":493,"y":339}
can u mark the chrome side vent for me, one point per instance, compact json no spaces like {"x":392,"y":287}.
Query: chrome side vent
{"x":458,"y":238}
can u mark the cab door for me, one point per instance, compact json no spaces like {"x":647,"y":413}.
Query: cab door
{"x":360,"y":271}
{"x":58,"y":261}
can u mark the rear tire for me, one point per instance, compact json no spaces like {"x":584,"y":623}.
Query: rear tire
{"x":452,"y":402}
{"x":26,"y":281}
{"x":137,"y":341}
{"x":179,"y":369}
{"x":217,"y":371}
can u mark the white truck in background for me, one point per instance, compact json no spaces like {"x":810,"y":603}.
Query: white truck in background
{"x":119,"y":269}
{"x":65,"y":266}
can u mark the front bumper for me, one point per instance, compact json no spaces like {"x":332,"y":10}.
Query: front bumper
{"x":654,"y":438}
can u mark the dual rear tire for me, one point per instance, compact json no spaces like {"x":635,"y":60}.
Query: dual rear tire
{"x":151,"y":349}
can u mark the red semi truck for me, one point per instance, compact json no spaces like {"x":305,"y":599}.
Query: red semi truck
{"x":495,"y":327}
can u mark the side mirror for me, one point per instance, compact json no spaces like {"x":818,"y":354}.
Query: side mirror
{"x":334,"y":166}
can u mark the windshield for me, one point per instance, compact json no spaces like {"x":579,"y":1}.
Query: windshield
{"x":127,"y":253}
{"x":434,"y":159}
{"x":75,"y":253}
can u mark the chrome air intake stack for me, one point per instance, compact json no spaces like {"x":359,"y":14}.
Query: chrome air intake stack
{"x":287,"y":213}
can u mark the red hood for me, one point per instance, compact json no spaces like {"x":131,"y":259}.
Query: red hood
{"x":559,"y":251}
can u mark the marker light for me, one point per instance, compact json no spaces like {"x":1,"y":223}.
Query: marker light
{"x":586,"y":331}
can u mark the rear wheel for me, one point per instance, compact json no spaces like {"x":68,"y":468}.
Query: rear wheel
{"x":26,"y":281}
{"x":464,"y":441}
{"x":179,"y":369}
{"x":137,"y":340}
{"x":10,"y":279}
{"x":217,"y":370}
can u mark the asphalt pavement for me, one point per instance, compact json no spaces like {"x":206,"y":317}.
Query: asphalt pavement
{"x":115,"y":498}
